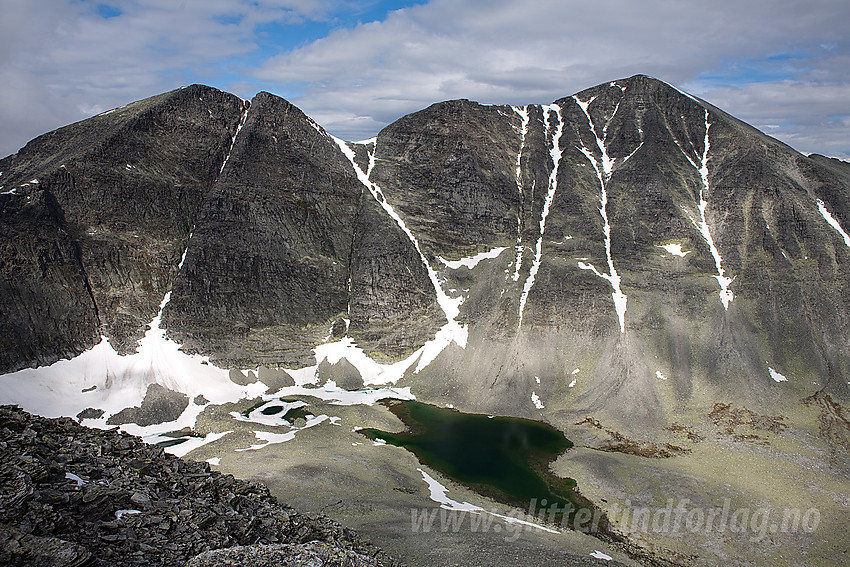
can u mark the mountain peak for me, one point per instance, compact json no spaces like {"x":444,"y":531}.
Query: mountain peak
{"x":624,"y":263}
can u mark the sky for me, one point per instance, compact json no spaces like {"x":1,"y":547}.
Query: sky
{"x":355,"y":66}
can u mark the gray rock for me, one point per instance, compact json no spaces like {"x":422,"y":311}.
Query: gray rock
{"x":242,"y":378}
{"x":94,"y":245}
{"x":312,"y":554}
{"x":275,"y":378}
{"x":90,"y":413}
{"x":343,"y":373}
{"x":28,"y":550}
{"x":158,"y":406}
{"x":139,"y":506}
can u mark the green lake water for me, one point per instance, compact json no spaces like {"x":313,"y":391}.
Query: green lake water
{"x":504,"y":458}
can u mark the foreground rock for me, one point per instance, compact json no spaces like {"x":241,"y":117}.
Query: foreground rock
{"x":70,"y":495}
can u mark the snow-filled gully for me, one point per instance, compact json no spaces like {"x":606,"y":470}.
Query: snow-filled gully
{"x":603,"y":174}
{"x":831,"y":220}
{"x":523,"y":114}
{"x":242,"y":119}
{"x":701,"y":224}
{"x":452,"y":331}
{"x":555,"y":153}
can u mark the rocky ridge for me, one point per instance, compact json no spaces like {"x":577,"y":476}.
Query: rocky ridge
{"x":73,"y":496}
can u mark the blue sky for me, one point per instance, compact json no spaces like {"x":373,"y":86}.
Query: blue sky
{"x":355,"y":66}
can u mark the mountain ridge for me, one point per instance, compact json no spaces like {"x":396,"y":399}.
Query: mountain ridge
{"x":474,"y":193}
{"x":630,"y":264}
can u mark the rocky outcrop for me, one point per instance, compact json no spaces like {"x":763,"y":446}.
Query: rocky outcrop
{"x":282,"y":246}
{"x":48,"y":311}
{"x":72,"y":496}
{"x":160,"y":405}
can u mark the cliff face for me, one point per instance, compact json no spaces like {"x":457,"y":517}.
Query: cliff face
{"x":285,"y":241}
{"x":658,"y":245}
{"x":632,"y":232}
{"x":123,"y":190}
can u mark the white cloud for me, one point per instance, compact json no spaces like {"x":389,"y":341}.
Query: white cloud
{"x":521,"y":52}
{"x":59,"y":59}
{"x":57,"y":62}
{"x":809,"y":116}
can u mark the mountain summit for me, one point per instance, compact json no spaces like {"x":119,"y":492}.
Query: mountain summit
{"x":630,"y":253}
{"x":631,"y":226}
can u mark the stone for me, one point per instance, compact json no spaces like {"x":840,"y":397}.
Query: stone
{"x":275,"y":378}
{"x":158,"y":406}
{"x":90,"y":413}
{"x":343,"y":373}
{"x":115,"y":514}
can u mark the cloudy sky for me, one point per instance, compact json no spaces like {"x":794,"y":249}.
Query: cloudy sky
{"x":356,"y":65}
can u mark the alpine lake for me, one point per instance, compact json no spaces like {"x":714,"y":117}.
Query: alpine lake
{"x":503,"y":458}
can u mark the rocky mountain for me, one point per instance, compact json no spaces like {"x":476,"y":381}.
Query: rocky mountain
{"x":629,"y":256}
{"x":643,"y":231}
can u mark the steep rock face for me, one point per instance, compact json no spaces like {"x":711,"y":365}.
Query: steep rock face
{"x":48,"y":310}
{"x":633,"y":197}
{"x":392,"y":301}
{"x":448,"y":169}
{"x":287,"y":242}
{"x":128,"y":185}
{"x":271,"y":244}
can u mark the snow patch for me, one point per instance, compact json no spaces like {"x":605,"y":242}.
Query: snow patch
{"x":536,"y":401}
{"x":271,"y":438}
{"x":599,"y":555}
{"x":233,"y":140}
{"x":439,"y":494}
{"x":603,"y":174}
{"x":701,"y":224}
{"x":674,"y":250}
{"x":214,"y":461}
{"x":777,"y":377}
{"x":833,"y":222}
{"x":113,"y":382}
{"x":523,"y":114}
{"x":259,"y":416}
{"x":472,"y":261}
{"x":189,"y":443}
{"x":75,"y":478}
{"x":572,"y":384}
{"x":659,"y":375}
